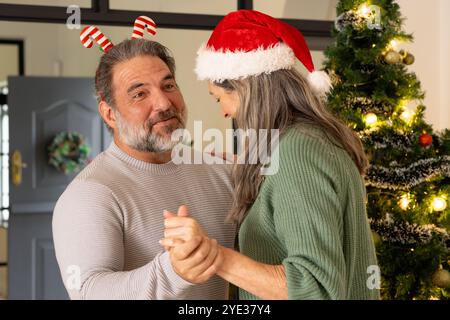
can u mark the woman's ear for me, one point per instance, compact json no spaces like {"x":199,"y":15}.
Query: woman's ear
{"x":107,"y":113}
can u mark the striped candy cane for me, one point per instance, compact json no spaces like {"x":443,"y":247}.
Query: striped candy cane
{"x":143,"y":23}
{"x":91,"y":33}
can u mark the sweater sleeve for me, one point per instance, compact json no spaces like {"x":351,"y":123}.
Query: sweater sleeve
{"x":88,"y":237}
{"x":308,"y":219}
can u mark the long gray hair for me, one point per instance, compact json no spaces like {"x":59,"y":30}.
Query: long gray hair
{"x":280,"y":100}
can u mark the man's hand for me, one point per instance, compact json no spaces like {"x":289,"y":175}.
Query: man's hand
{"x":194,"y":256}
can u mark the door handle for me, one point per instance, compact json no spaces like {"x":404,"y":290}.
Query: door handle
{"x":17,"y":166}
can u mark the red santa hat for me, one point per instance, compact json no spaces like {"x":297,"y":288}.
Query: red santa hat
{"x":248,"y":43}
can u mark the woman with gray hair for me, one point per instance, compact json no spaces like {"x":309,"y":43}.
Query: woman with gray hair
{"x":303,"y":231}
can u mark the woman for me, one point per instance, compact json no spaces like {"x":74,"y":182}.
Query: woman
{"x":303,"y":231}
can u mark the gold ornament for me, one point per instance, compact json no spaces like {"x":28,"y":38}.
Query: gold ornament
{"x":392,"y":57}
{"x":409,"y":59}
{"x":441,"y":278}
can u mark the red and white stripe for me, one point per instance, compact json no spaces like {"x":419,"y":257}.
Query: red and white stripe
{"x":91,"y":33}
{"x":141,"y":24}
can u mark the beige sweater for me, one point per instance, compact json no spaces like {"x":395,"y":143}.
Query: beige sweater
{"x":107,"y":224}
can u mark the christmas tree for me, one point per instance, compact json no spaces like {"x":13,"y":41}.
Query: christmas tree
{"x":408,"y":181}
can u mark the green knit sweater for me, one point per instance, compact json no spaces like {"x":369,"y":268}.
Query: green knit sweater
{"x":310,"y":216}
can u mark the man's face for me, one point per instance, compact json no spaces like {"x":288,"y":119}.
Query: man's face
{"x":149,"y":105}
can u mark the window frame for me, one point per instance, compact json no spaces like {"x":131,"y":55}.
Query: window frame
{"x":101,"y":14}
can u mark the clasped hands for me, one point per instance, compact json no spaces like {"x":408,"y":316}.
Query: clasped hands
{"x":194,"y":256}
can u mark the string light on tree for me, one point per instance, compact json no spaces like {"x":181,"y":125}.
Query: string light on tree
{"x":405,"y":201}
{"x":407,"y":116}
{"x":439,"y":204}
{"x":393,"y":44}
{"x":364,"y":10}
{"x":371,"y":119}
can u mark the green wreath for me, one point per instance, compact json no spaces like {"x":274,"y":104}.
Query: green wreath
{"x":68,"y":152}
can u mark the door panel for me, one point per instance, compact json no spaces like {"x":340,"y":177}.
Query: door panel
{"x":33,"y":271}
{"x":40,"y":108}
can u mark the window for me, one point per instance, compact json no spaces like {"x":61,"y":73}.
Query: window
{"x":4,"y":156}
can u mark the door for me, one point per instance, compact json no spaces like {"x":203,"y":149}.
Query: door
{"x":40,"y":108}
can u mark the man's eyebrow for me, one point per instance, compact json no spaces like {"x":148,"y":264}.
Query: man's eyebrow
{"x":210,"y":93}
{"x":135,"y":86}
{"x":168,"y":77}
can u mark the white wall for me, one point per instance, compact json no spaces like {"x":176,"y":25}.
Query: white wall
{"x":429,"y":23}
{"x":444,"y":110}
{"x":41,"y":48}
{"x":9,"y":62}
{"x":298,"y":9}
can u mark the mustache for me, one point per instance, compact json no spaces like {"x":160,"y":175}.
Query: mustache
{"x":163,"y":116}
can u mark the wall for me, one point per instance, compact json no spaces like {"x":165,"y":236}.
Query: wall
{"x":298,"y":9}
{"x":9,"y":63}
{"x":429,"y":23}
{"x":444,"y":44}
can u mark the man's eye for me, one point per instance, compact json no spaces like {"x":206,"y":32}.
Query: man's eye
{"x":217,"y":100}
{"x":138,"y":95}
{"x":170,"y":87}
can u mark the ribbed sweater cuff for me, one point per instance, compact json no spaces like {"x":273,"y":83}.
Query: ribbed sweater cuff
{"x":177,"y":281}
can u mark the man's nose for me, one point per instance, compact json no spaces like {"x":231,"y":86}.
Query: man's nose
{"x":161,"y":101}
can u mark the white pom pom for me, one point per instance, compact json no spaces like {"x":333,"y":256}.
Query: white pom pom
{"x":320,"y":82}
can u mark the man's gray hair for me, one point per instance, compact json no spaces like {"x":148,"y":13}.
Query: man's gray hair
{"x":124,"y":51}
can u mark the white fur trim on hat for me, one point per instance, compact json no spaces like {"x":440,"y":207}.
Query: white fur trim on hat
{"x":320,"y":82}
{"x":219,"y":66}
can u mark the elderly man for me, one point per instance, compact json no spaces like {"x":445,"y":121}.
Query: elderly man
{"x":108,"y":222}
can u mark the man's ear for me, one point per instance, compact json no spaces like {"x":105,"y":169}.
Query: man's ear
{"x":107,"y":113}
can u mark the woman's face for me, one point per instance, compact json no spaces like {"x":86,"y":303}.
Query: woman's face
{"x":228,"y":100}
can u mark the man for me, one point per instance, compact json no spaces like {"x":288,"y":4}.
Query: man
{"x":108,"y":222}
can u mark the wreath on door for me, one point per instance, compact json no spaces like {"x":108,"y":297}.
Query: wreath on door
{"x":68,"y":152}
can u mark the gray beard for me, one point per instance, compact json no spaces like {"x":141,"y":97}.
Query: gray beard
{"x":141,"y":138}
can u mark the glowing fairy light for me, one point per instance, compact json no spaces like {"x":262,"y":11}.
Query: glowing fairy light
{"x":371,"y":119}
{"x":439,"y":204}
{"x":364,"y":10}
{"x":407,"y":116}
{"x":404,"y":202}
{"x":393,"y":44}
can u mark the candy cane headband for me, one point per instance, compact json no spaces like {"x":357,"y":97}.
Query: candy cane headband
{"x":91,"y":33}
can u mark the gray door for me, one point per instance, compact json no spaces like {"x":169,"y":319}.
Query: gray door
{"x":39,"y":109}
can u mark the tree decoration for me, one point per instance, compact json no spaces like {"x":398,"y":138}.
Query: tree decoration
{"x":425,"y":140}
{"x":441,"y":278}
{"x":439,"y":204}
{"x":409,"y":59}
{"x":392,"y":57}
{"x":408,"y":179}
{"x":68,"y":152}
